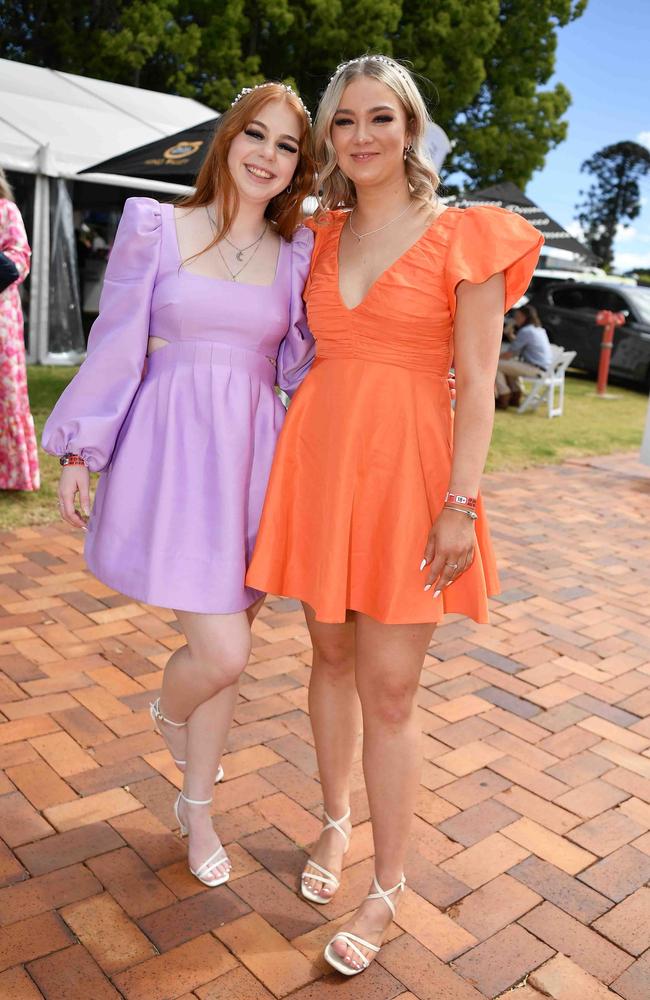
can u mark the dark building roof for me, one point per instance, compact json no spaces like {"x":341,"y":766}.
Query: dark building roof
{"x":508,"y":195}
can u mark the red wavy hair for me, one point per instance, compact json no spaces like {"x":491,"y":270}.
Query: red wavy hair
{"x":214,"y":180}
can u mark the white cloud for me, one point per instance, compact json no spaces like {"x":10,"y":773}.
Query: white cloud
{"x":575,"y":229}
{"x":631,"y":260}
{"x":644,"y":139}
{"x":630,"y":234}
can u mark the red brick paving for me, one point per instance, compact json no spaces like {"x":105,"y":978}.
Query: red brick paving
{"x":530,"y":860}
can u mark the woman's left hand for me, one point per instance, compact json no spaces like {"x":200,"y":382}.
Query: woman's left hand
{"x":449,"y":550}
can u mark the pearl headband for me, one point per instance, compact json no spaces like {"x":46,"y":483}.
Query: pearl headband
{"x":365,"y":59}
{"x":285,"y":86}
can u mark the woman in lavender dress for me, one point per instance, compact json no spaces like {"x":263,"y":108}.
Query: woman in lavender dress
{"x":206,"y":300}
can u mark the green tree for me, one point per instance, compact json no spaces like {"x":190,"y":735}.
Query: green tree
{"x":507,"y":127}
{"x":146,"y":33}
{"x":109,"y":39}
{"x":484,"y":64}
{"x":48,"y":34}
{"x":246,"y":41}
{"x":614,"y":197}
{"x":448,"y":44}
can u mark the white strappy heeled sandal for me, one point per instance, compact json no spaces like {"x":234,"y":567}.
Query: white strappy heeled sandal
{"x":158,"y":717}
{"x":327,"y":878}
{"x":218,"y":858}
{"x":352,"y":940}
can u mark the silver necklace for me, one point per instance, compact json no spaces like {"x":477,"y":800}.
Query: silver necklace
{"x":362,"y":236}
{"x":235,"y":274}
{"x":241,"y":250}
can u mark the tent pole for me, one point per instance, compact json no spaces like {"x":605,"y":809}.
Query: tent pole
{"x":40,"y":273}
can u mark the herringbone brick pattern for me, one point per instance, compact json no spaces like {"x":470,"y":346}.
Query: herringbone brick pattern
{"x":531,"y":849}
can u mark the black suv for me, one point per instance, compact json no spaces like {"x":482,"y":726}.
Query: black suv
{"x":568,"y":312}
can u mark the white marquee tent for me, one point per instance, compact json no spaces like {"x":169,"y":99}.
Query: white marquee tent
{"x":52,"y":125}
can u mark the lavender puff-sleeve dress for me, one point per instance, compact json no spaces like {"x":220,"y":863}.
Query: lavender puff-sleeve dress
{"x":184,"y":449}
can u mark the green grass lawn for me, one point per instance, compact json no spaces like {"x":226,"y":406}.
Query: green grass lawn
{"x":590,"y":426}
{"x":18,"y":509}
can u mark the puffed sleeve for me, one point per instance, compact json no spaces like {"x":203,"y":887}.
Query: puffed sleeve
{"x":490,"y":240}
{"x":89,"y":414}
{"x":296,"y":351}
{"x":13,"y":238}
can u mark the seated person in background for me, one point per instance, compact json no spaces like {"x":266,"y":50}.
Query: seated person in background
{"x":528,"y":354}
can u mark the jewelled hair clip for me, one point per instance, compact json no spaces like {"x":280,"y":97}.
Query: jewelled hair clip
{"x":364,"y":59}
{"x":285,"y":86}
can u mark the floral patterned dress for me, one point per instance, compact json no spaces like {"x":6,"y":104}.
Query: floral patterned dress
{"x":18,"y":450}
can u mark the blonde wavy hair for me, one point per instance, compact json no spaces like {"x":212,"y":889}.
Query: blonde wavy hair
{"x":335,"y":189}
{"x":5,"y":187}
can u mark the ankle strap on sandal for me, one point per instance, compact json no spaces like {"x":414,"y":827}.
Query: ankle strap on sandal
{"x":155,"y":711}
{"x":386,"y":893}
{"x":334,"y":824}
{"x":195,"y":802}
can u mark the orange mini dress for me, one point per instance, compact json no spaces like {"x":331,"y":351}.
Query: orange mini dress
{"x":363,"y":461}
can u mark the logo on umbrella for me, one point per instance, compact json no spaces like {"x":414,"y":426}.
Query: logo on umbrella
{"x":181,"y":150}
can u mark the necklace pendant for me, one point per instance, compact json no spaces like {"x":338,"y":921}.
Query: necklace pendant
{"x":238,"y":255}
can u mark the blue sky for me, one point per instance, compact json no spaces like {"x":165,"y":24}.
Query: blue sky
{"x":603,"y":59}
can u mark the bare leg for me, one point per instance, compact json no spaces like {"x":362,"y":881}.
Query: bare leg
{"x":389,"y":661}
{"x":335,"y":714}
{"x":217,"y":651}
{"x":188,"y":685}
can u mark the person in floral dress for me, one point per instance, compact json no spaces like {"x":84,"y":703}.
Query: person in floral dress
{"x":18,"y":450}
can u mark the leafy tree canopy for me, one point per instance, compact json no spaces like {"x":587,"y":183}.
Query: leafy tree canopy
{"x":614,"y":197}
{"x":485,"y":63}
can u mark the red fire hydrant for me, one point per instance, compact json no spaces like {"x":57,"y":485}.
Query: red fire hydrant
{"x":609,"y":320}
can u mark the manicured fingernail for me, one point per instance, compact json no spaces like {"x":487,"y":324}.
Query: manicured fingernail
{"x":436,"y":593}
{"x":428,"y":586}
{"x":422,"y":564}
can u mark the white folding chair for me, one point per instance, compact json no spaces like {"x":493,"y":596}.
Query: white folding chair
{"x":543,"y":386}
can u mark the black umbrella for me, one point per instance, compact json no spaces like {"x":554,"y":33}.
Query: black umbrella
{"x":176,"y":158}
{"x":508,"y":195}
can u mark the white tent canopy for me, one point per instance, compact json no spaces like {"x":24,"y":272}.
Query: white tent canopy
{"x":80,"y":121}
{"x":53,"y":125}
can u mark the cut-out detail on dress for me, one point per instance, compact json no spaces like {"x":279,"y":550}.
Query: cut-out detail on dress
{"x":156,"y":344}
{"x":185,"y":449}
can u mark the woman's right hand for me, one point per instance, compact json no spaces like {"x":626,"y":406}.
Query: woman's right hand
{"x":74,"y":479}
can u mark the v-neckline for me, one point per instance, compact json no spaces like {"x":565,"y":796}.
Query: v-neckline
{"x":352,"y":309}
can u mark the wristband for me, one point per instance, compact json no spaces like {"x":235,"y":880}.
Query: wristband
{"x":70,"y":459}
{"x":460,"y":500}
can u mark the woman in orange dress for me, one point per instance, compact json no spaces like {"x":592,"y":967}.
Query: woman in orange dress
{"x":373,"y":516}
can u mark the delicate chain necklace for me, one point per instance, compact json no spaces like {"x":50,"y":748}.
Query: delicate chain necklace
{"x":362,"y":236}
{"x":241,"y":250}
{"x":258,"y":242}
